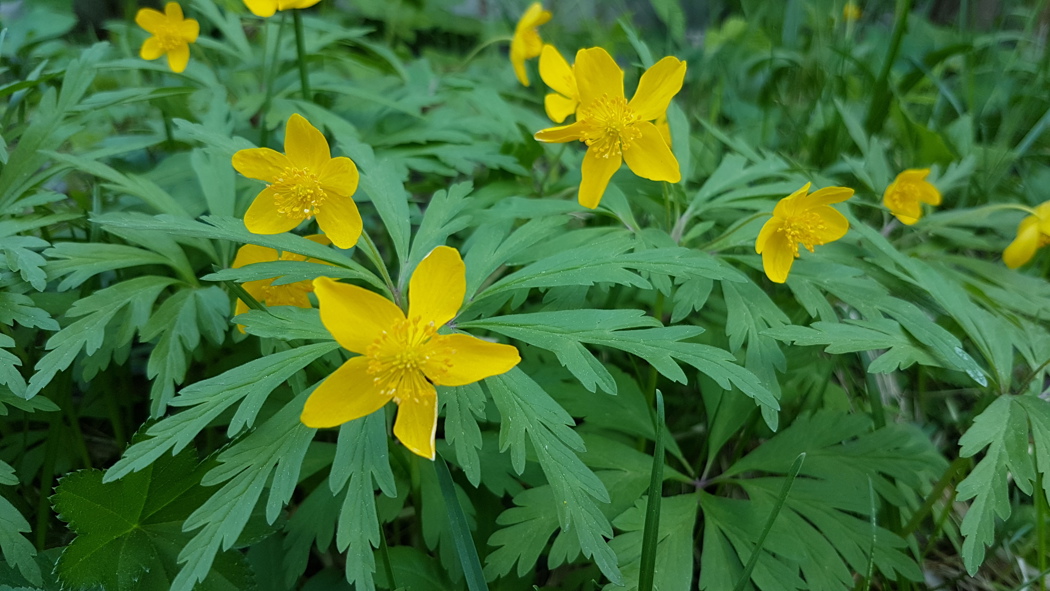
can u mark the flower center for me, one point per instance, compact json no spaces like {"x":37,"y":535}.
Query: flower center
{"x":805,"y":228}
{"x":609,"y":126}
{"x":903,"y":194}
{"x":289,"y":294}
{"x":169,"y":38}
{"x":299,"y":193}
{"x":398,"y":358}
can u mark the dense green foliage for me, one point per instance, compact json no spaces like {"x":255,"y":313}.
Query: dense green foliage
{"x":880,"y":420}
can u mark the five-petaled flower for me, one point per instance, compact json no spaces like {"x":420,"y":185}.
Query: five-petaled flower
{"x":267,"y":8}
{"x":526,"y":43}
{"x":171,"y":35}
{"x":558,"y":75}
{"x":303,"y":182}
{"x":905,"y":193}
{"x":616,"y":130}
{"x":800,"y":218}
{"x":263,"y":290}
{"x":401,"y":358}
{"x":1033,"y":233}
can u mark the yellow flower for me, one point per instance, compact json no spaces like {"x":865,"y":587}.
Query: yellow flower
{"x":526,"y":43}
{"x":851,"y":12}
{"x":903,"y":195}
{"x":171,"y":35}
{"x":401,"y":358}
{"x":263,"y":290}
{"x":616,"y":130}
{"x":266,"y":8}
{"x":303,"y":182}
{"x":558,"y":75}
{"x":1033,"y":233}
{"x":800,"y":218}
{"x":664,"y":128}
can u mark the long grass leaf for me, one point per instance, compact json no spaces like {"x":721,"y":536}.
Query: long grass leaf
{"x":468,"y":554}
{"x":651,"y":533}
{"x":796,"y":466}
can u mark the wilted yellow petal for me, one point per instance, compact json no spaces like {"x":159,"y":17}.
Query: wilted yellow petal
{"x":596,"y":172}
{"x":657,"y":87}
{"x":437,"y":287}
{"x":596,"y":75}
{"x":416,"y":421}
{"x":473,"y":360}
{"x":305,"y":144}
{"x":355,"y":316}
{"x":347,"y":394}
{"x":650,"y":157}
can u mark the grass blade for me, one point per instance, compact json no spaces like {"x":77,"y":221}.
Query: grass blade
{"x":468,"y":554}
{"x":651,"y":533}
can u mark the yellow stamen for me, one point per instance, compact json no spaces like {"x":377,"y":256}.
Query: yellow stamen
{"x":805,"y":228}
{"x":397,"y":358}
{"x":289,"y":294}
{"x":610,"y":126}
{"x":902,"y":195}
{"x":299,"y":193}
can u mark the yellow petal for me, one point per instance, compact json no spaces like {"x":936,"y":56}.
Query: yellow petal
{"x":340,"y":220}
{"x":907,"y":211}
{"x":533,"y":17}
{"x":437,"y":287}
{"x":289,"y":4}
{"x":473,"y":360}
{"x":656,"y":88}
{"x":150,"y":20}
{"x":179,"y":57}
{"x":305,"y":144}
{"x":263,"y":8}
{"x":252,"y":253}
{"x":769,"y":229}
{"x":650,"y":157}
{"x":151,"y":49}
{"x":596,"y":172}
{"x":788,"y":206}
{"x":263,"y":164}
{"x":929,"y":194}
{"x":173,"y":11}
{"x":777,"y":257}
{"x":262,"y":216}
{"x":355,"y":316}
{"x":339,"y":176}
{"x":824,"y":196}
{"x":189,"y":29}
{"x":238,"y":309}
{"x":835,"y":225}
{"x":348,"y":393}
{"x":664,"y":128}
{"x":558,"y":135}
{"x":597,"y":74}
{"x":556,"y":73}
{"x":416,"y":421}
{"x":558,"y":107}
{"x":1023,"y":248}
{"x":517,"y":59}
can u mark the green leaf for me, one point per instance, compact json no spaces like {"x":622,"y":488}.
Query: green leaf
{"x":383,"y":186}
{"x":20,"y":257}
{"x":442,"y":217}
{"x":860,"y":335}
{"x":129,"y":532}
{"x":285,"y":323}
{"x":464,"y":405}
{"x":574,"y":489}
{"x":148,"y":191}
{"x":87,"y":334}
{"x":674,"y":554}
{"x":18,"y":551}
{"x":252,"y":382}
{"x":78,"y":261}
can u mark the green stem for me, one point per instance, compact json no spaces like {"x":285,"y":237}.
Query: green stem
{"x":650,"y":389}
{"x":267,"y":76}
{"x":473,"y":54}
{"x":377,"y":261}
{"x":733,"y":229}
{"x":384,"y":557}
{"x":880,"y":97}
{"x":1040,"y":518}
{"x":651,"y":530}
{"x":935,"y":494}
{"x":300,"y":48}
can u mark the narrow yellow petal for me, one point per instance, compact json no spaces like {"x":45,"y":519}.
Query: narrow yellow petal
{"x":557,"y":73}
{"x":559,"y":107}
{"x":596,"y":75}
{"x":339,"y":176}
{"x":437,"y":286}
{"x":263,"y":164}
{"x":253,"y":253}
{"x":262,"y":216}
{"x":1023,"y":247}
{"x":416,"y":421}
{"x":777,"y":258}
{"x":596,"y":173}
{"x":340,"y":220}
{"x":151,"y":49}
{"x":263,"y":8}
{"x":657,"y":87}
{"x":473,"y":359}
{"x":173,"y":11}
{"x":347,"y":394}
{"x":305,"y":144}
{"x":650,"y":157}
{"x":355,"y":316}
{"x":179,"y":57}
{"x":150,"y":20}
{"x":558,"y":135}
